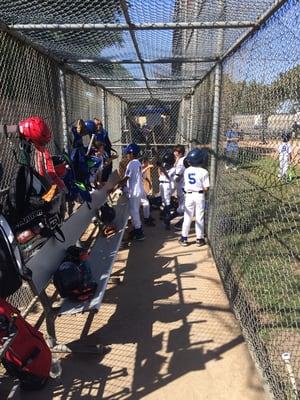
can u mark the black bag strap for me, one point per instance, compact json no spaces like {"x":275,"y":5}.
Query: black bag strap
{"x":59,"y":235}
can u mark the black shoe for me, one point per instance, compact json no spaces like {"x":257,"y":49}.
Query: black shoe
{"x":138,"y":234}
{"x":149,"y":222}
{"x":200,"y":242}
{"x":183,"y":241}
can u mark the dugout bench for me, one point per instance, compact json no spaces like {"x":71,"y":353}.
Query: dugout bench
{"x":103,"y":253}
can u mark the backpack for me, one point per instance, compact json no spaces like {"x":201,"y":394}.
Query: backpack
{"x":12,"y":268}
{"x":27,"y":357}
{"x":108,"y":214}
{"x":73,"y":278}
{"x":33,"y":202}
{"x":77,"y":176}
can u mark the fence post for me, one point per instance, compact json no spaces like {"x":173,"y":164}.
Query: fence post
{"x":214,"y":141}
{"x":62,"y":89}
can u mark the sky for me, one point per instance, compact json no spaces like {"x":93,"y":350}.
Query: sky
{"x":273,"y":50}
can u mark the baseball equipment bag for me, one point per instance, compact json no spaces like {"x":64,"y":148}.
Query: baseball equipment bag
{"x":108,"y":214}
{"x":12,"y":268}
{"x":27,"y":357}
{"x":32,"y":202}
{"x":73,"y":278}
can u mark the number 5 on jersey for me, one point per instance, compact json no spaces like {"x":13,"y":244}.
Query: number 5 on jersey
{"x":192,"y":179}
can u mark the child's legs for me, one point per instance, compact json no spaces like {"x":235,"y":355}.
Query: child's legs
{"x":199,"y":213}
{"x":146,"y":206}
{"x":162,"y":193}
{"x":134,"y":210}
{"x":167,"y":194}
{"x":180,"y":198}
{"x":189,"y":207}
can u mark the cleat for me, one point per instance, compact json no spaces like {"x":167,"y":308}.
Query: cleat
{"x":183,"y":241}
{"x":200,"y":242}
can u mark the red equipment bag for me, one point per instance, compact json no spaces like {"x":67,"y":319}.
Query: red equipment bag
{"x":28,"y":356}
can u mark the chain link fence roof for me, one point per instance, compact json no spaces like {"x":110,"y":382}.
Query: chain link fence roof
{"x":160,"y":48}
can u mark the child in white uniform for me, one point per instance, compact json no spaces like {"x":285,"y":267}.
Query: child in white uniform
{"x":196,"y":183}
{"x":134,"y":189}
{"x":166,"y":185}
{"x":179,"y":176}
{"x":285,"y":152}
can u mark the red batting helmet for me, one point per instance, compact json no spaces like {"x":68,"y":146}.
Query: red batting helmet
{"x":35,"y":130}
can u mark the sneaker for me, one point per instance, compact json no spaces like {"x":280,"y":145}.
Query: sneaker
{"x":178,"y":225}
{"x":138,"y":234}
{"x":183,"y":241}
{"x":234,"y":168}
{"x":227,"y":167}
{"x":200,"y":242}
{"x":149,"y":222}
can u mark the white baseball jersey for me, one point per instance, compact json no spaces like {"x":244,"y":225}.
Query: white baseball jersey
{"x":195,"y":179}
{"x":134,"y":182}
{"x":179,"y":167}
{"x":171,"y":174}
{"x":284,"y":150}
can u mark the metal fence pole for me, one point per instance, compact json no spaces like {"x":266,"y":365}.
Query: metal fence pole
{"x":214,"y":140}
{"x":62,"y":86}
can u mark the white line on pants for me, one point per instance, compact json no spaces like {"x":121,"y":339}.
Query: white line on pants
{"x":194,"y":205}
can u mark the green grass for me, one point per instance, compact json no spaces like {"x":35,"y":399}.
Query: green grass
{"x":262,"y":245}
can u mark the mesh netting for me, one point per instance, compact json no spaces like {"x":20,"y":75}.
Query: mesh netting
{"x":255,"y":233}
{"x":254,"y":227}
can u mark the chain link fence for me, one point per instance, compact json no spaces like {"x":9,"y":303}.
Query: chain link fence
{"x":255,"y":232}
{"x":254,"y":209}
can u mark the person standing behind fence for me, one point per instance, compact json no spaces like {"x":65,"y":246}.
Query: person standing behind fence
{"x":196,"y":183}
{"x":102,"y":136}
{"x":285,"y":155}
{"x":232,"y":147}
{"x":179,"y":176}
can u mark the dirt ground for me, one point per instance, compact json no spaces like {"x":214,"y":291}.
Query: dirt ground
{"x":170,"y":329}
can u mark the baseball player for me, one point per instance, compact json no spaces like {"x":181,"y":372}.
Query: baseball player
{"x":166,"y":184}
{"x":285,"y":155}
{"x":232,"y":147}
{"x":134,"y":189}
{"x":196,"y":183}
{"x":147,"y":185}
{"x":179,"y":176}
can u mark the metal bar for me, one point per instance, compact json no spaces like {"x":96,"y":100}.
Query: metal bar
{"x":63,"y":103}
{"x":214,"y":139}
{"x":143,"y":80}
{"x":142,"y":88}
{"x":124,"y":8}
{"x":167,"y":60}
{"x":129,"y":26}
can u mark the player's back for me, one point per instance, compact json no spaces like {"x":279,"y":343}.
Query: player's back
{"x":195,"y":179}
{"x":284,"y":149}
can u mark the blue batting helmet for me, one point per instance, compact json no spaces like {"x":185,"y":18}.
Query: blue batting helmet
{"x":132,"y":149}
{"x":90,"y":127}
{"x":196,"y":157}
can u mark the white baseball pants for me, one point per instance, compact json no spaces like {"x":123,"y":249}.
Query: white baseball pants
{"x":194,"y":205}
{"x":283,"y":167}
{"x":134,"y":211}
{"x":146,"y":206}
{"x":165,"y":191}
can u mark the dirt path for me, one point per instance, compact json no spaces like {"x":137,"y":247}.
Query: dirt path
{"x":171,"y":332}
